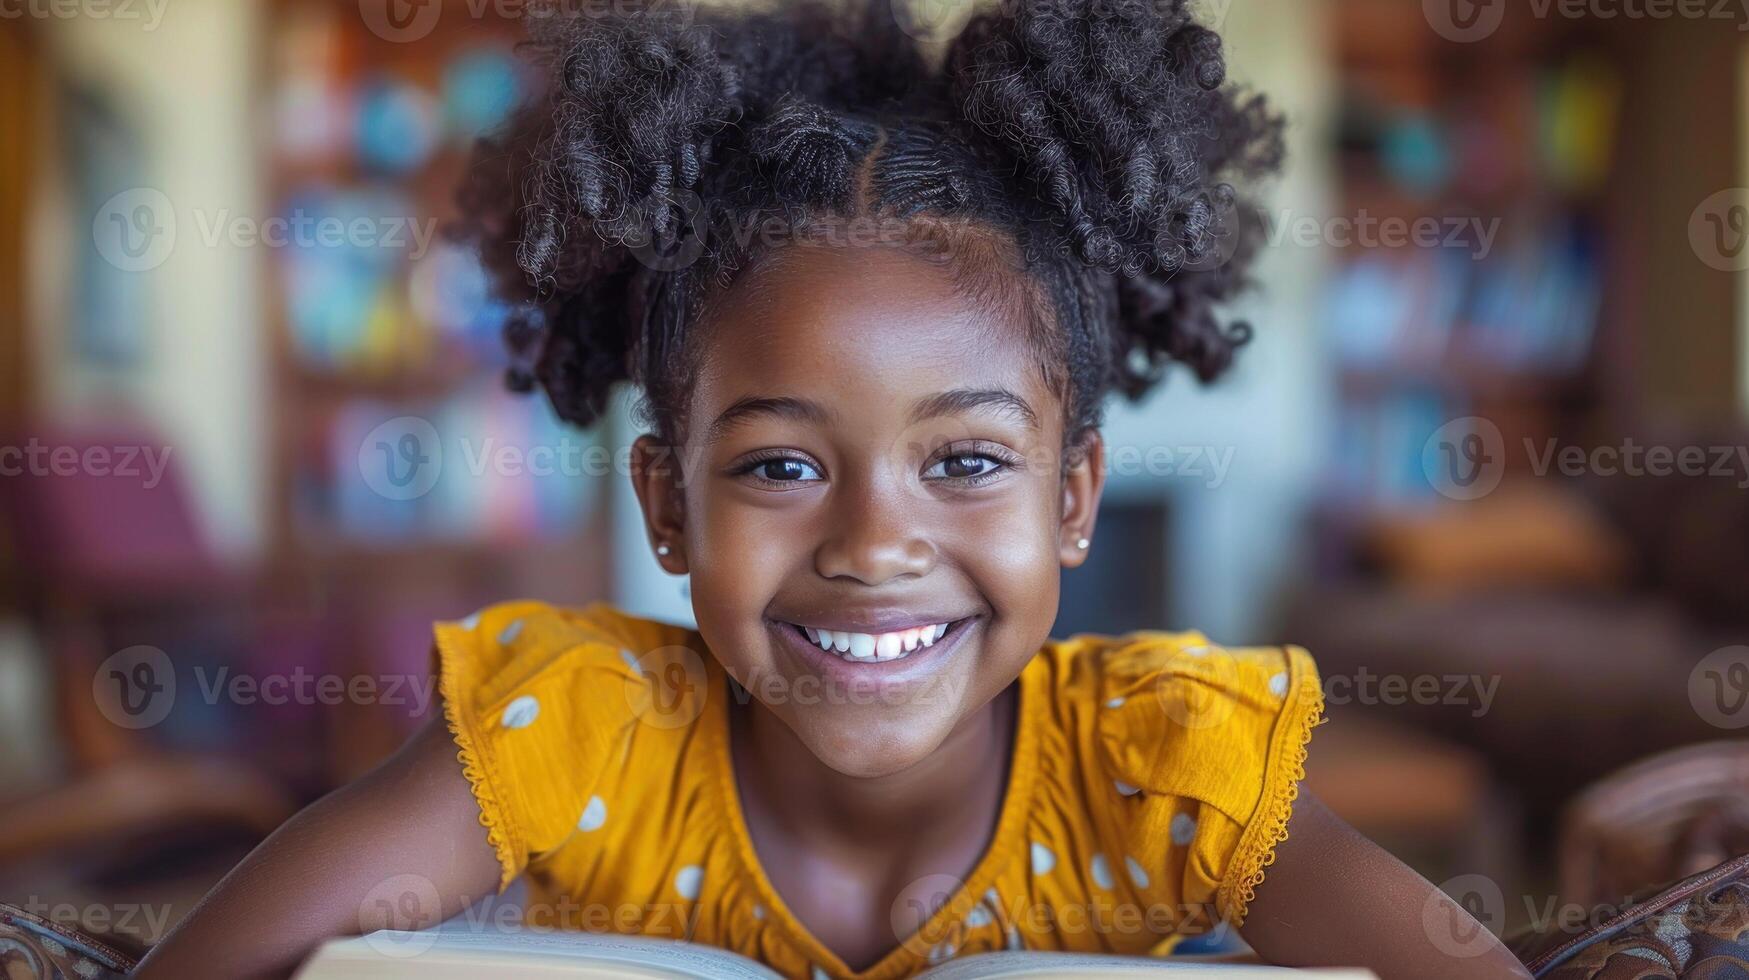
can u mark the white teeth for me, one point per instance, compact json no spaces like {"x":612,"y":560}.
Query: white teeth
{"x":887,"y":645}
{"x":875,"y":647}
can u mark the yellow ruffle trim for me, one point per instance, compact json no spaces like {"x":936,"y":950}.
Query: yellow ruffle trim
{"x":491,"y":808}
{"x":1256,"y":850}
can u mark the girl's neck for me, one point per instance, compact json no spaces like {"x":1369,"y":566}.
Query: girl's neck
{"x":954,"y":793}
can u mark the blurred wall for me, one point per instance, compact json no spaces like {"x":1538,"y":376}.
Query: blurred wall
{"x":18,"y":107}
{"x":186,"y":82}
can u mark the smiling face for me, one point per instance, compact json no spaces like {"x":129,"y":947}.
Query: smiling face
{"x":875,"y":504}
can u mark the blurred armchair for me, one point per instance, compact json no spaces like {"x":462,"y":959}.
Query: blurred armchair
{"x":1590,"y":601}
{"x":89,"y":558}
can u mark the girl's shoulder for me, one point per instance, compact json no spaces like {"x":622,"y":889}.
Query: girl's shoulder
{"x":543,"y":699}
{"x":515,"y":643}
{"x":1201,"y":745}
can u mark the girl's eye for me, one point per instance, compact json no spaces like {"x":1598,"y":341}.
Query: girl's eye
{"x":783,"y":469}
{"x":963,"y":466}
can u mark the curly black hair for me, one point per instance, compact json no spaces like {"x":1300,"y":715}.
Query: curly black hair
{"x":1070,"y":159}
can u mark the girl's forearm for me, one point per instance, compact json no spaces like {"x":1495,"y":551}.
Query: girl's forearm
{"x":410,"y":823}
{"x":1334,"y":898}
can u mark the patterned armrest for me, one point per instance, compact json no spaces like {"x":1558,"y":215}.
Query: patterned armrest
{"x":32,"y":948}
{"x":1697,"y":929}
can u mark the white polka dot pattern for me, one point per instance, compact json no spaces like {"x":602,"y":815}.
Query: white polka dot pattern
{"x":1138,"y":874}
{"x":688,"y":880}
{"x":521,"y":712}
{"x":1101,"y":871}
{"x":1183,"y":829}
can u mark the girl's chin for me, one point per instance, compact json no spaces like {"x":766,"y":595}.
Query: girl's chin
{"x":870,"y":760}
{"x":864,"y":754}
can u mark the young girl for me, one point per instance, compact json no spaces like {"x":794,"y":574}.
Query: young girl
{"x":874,"y":304}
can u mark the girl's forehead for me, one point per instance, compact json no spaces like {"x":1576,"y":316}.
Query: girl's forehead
{"x":876,"y":325}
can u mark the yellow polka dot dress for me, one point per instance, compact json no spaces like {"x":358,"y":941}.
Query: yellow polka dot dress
{"x":1152,"y":778}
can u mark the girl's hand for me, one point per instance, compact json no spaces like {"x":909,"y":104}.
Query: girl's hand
{"x":356,"y":860}
{"x":1334,"y":898}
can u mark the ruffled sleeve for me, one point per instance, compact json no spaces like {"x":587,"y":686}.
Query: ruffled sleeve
{"x":541,"y":701}
{"x":1207,"y":747}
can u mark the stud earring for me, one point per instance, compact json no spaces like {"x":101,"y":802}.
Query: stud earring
{"x":663,"y":550}
{"x":1082,"y":544}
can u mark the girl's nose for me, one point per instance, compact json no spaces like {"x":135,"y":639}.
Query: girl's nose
{"x":873,"y":536}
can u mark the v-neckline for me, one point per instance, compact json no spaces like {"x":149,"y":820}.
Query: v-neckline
{"x":1010,"y":824}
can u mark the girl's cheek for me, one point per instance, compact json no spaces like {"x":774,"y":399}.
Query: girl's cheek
{"x":1009,"y":547}
{"x":738,"y":555}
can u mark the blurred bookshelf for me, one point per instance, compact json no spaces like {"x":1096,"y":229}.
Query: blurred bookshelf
{"x":383,"y":330}
{"x":1497,"y":158}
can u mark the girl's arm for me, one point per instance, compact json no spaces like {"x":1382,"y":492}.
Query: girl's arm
{"x":1334,"y":898}
{"x":334,"y":870}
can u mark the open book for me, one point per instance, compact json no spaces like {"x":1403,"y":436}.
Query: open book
{"x":438,"y":955}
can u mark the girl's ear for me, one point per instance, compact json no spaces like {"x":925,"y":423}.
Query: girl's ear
{"x":1083,"y":482}
{"x":657,"y":478}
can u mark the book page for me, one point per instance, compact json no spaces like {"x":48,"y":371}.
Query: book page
{"x":522,"y":955}
{"x":1066,"y":966}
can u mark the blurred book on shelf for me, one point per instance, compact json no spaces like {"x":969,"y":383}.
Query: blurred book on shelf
{"x":409,"y":484}
{"x":1480,"y":170}
{"x":390,"y":354}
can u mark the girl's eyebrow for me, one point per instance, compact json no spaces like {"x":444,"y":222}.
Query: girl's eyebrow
{"x":745,"y":409}
{"x":959,"y":400}
{"x":951,"y":402}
